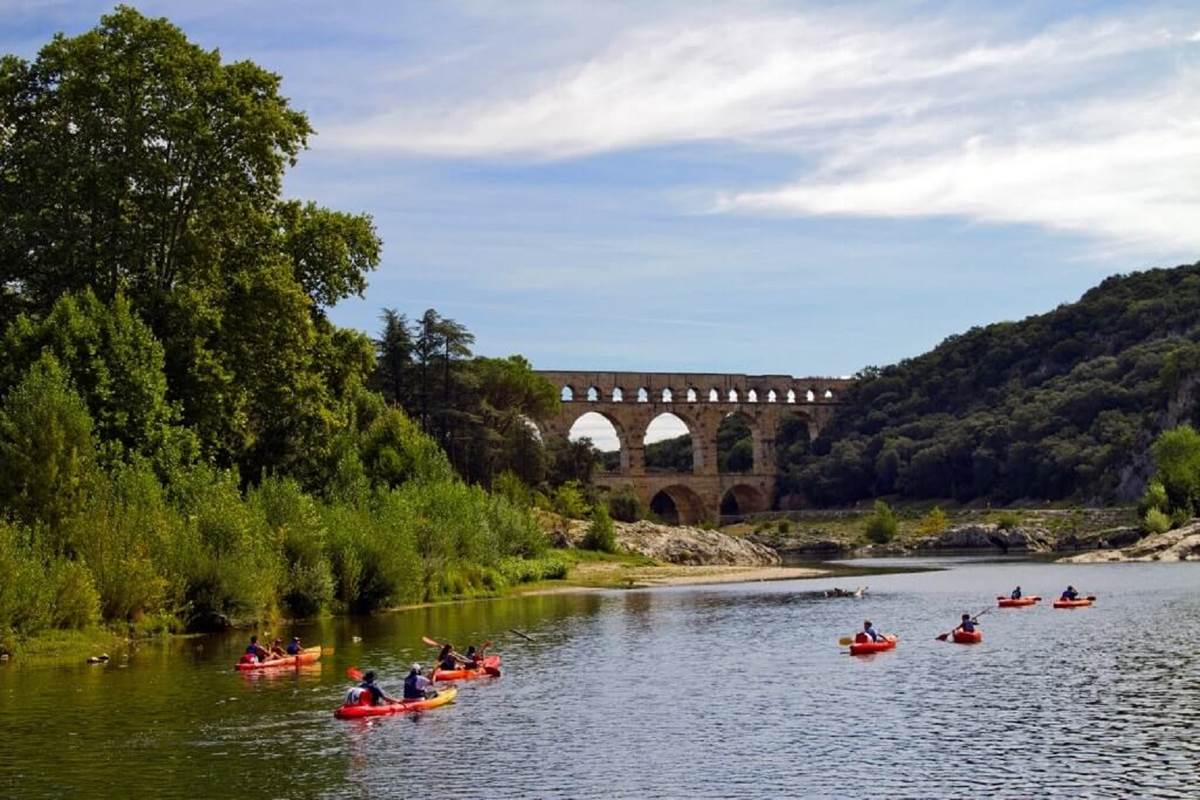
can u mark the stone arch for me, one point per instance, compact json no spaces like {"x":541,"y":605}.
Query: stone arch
{"x":566,"y":394}
{"x":714,"y":396}
{"x":679,"y":504}
{"x":618,"y":394}
{"x":668,"y":422}
{"x":618,"y":430}
{"x":809,"y":396}
{"x":791,"y":395}
{"x":828,"y":394}
{"x":741,"y":499}
{"x":643,"y":395}
{"x":593,"y":394}
{"x":733,"y":395}
{"x":667,"y":396}
{"x":772,"y":396}
{"x":755,"y":435}
{"x":691,"y":394}
{"x":752,"y":396}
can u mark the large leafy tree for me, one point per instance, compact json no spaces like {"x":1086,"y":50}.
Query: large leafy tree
{"x":135,"y":163}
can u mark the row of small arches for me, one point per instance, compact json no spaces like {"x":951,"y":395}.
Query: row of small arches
{"x":714,"y":396}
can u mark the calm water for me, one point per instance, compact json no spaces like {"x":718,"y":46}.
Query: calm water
{"x":732,"y":691}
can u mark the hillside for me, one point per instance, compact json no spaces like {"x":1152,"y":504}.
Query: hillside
{"x":1056,"y":406}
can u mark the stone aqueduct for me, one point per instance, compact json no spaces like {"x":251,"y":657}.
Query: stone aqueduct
{"x":630,"y":401}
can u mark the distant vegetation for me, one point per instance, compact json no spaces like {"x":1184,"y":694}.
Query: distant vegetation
{"x":1061,"y":405}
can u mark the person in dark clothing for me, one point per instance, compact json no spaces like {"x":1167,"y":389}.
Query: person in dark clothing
{"x":294,"y":648}
{"x":417,"y":686}
{"x":1016,"y":593}
{"x":257,"y":650}
{"x":967,"y":625}
{"x":1070,"y":594}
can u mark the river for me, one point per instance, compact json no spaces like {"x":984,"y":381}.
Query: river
{"x":716,"y":691}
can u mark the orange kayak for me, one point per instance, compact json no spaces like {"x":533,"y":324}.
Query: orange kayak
{"x":1082,"y":602}
{"x":307,"y":656}
{"x":1008,"y":602}
{"x":866,"y":648}
{"x":489,"y":667}
{"x":962,"y":637}
{"x":443,"y":697}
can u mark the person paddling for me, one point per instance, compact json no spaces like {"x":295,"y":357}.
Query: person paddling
{"x":473,"y":658}
{"x":277,"y":650}
{"x":870,"y":633}
{"x":448,"y":659}
{"x":417,"y":686}
{"x":1070,"y":594}
{"x":294,"y":647}
{"x":369,"y":692}
{"x":1016,"y":593}
{"x":967,"y":625}
{"x":257,"y":650}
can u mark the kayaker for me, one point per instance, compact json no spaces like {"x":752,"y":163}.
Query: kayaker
{"x":294,"y":648}
{"x":277,"y":650}
{"x":447,"y":658}
{"x":870,"y":632}
{"x":967,"y":625}
{"x":1016,"y":593}
{"x":417,"y":686}
{"x":257,"y":650}
{"x":368,"y":688}
{"x":1070,"y":594}
{"x":471,"y":660}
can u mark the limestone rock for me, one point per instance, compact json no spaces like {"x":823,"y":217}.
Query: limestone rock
{"x":678,"y":544}
{"x":1181,"y":544}
{"x":989,"y":536}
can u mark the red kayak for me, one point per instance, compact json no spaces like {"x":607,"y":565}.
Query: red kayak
{"x":307,"y":656}
{"x":443,"y":697}
{"x":1008,"y":602}
{"x":1082,"y":602}
{"x":962,"y":637}
{"x":865,"y":648}
{"x":489,"y":667}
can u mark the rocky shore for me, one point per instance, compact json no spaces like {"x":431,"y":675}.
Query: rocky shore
{"x":1181,"y":544}
{"x":672,"y":544}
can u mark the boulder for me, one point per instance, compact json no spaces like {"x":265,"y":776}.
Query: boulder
{"x":988,"y":536}
{"x":1181,"y":544}
{"x":678,"y":544}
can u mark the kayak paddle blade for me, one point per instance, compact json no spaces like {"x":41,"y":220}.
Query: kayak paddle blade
{"x":354,"y":674}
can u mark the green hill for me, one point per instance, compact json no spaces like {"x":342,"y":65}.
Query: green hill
{"x":1056,"y":406}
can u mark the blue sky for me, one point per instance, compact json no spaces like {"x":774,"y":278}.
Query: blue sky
{"x":741,"y":187}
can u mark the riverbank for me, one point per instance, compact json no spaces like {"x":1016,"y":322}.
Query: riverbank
{"x":1181,"y":544}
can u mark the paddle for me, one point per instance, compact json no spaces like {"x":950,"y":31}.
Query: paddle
{"x":524,"y":636}
{"x":354,"y":674}
{"x":975,"y":618}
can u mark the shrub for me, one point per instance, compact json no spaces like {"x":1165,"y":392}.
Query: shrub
{"x":881,"y":524}
{"x":934,"y":522}
{"x":76,"y":601}
{"x":784,"y":526}
{"x":569,"y":501}
{"x":624,"y":505}
{"x":1155,"y":521}
{"x":509,"y":486}
{"x":600,"y":534}
{"x":1007,"y":520}
{"x":1155,"y":497}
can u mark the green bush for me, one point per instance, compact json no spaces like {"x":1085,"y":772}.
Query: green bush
{"x":569,"y":501}
{"x":784,"y":526}
{"x":624,"y":505}
{"x":76,"y":601}
{"x":933,"y":523}
{"x":881,"y":524}
{"x":1007,"y":520}
{"x":1155,"y":497}
{"x":1155,"y":521}
{"x":600,"y":533}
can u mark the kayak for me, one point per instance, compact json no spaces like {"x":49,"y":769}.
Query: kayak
{"x":866,"y":648}
{"x":490,"y":667}
{"x":307,"y":656}
{"x":1082,"y":602}
{"x":443,"y":697}
{"x":962,"y":637}
{"x":1008,"y":602}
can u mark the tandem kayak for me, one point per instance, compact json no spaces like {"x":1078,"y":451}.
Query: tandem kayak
{"x":866,"y":648}
{"x":962,"y":637}
{"x":1082,"y":602}
{"x":307,"y":656}
{"x":489,"y":667}
{"x":443,"y":697}
{"x":1008,"y":602}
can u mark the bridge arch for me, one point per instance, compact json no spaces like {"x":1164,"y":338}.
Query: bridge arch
{"x":741,"y":499}
{"x":678,"y":504}
{"x":574,"y":433}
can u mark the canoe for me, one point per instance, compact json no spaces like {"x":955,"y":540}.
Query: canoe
{"x":443,"y":697}
{"x":962,"y":637}
{"x":307,"y":656}
{"x":1008,"y":602}
{"x":866,"y":648}
{"x":1082,"y":602}
{"x":490,"y":668}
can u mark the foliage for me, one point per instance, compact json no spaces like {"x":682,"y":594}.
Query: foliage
{"x":624,"y":505}
{"x":569,"y":501}
{"x":1177,"y":457}
{"x":1155,"y":521}
{"x":934,"y":522}
{"x":1007,"y":520}
{"x":1051,"y":407}
{"x":1155,"y":497}
{"x":881,"y":525}
{"x":600,"y":533}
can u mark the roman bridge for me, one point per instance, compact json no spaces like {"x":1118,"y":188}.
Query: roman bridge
{"x":630,"y":401}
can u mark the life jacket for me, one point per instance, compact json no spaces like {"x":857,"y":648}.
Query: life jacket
{"x":411,"y":692}
{"x":293,"y":649}
{"x":448,"y":663}
{"x":861,"y":637}
{"x":248,"y":658}
{"x":357,"y":696}
{"x":968,"y":626}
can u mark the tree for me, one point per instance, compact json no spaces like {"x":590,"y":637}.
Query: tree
{"x":46,"y":447}
{"x":881,"y":525}
{"x":1177,"y":456}
{"x":394,"y":360}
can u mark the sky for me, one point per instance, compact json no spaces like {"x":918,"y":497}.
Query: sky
{"x":757,"y":187}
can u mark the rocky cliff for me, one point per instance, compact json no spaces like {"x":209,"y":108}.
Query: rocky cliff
{"x":1181,"y":544}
